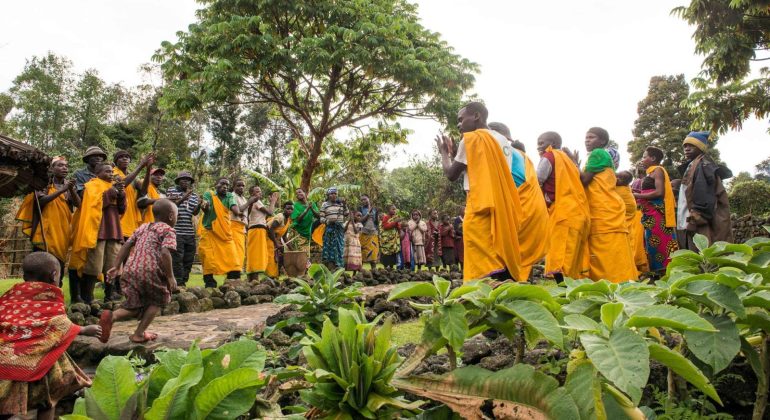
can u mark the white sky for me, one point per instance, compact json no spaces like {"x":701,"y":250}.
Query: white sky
{"x":561,"y":65}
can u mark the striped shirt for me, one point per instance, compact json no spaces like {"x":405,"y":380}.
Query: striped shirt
{"x":184,"y":221}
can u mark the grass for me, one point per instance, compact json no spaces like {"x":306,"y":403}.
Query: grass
{"x":406,"y":332}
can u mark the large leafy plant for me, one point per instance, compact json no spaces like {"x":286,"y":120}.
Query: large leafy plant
{"x":350,"y":367}
{"x":194,"y":384}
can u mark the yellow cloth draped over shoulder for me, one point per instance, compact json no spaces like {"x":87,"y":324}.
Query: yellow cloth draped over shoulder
{"x":635,"y":228}
{"x":216,"y":248}
{"x":55,"y":222}
{"x":492,"y":213}
{"x":608,"y":242}
{"x":668,"y":196}
{"x":87,"y":220}
{"x":257,"y":252}
{"x":568,"y":222}
{"x":533,"y":231}
{"x":272,"y":264}
{"x":238,"y":230}
{"x":147,"y":216}
{"x":132,"y":218}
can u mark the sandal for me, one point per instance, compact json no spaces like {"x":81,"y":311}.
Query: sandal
{"x":105,"y":321}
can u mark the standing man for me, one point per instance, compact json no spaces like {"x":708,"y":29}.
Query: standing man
{"x":151,"y":192}
{"x":132,"y":218}
{"x":189,"y":205}
{"x":259,"y":249}
{"x":238,"y":220}
{"x":493,"y":211}
{"x":609,"y":243}
{"x":305,"y":213}
{"x":533,"y":231}
{"x":217,"y":248}
{"x":702,"y":205}
{"x":369,"y":237}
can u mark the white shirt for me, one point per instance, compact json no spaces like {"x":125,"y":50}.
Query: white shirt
{"x":462,"y":156}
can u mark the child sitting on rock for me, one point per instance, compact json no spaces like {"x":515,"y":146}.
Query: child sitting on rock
{"x":35,"y":370}
{"x":147,"y":276}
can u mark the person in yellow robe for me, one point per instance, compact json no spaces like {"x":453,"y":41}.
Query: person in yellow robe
{"x":51,"y":231}
{"x":239,"y":220}
{"x":132,"y":218}
{"x":608,"y":242}
{"x":278,"y":226}
{"x":216,"y":248}
{"x":633,"y":221}
{"x":533,"y":240}
{"x":150,"y":192}
{"x":568,"y":215}
{"x":257,"y":247}
{"x":493,"y":211}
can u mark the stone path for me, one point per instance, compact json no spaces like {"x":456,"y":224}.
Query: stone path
{"x":210,"y":328}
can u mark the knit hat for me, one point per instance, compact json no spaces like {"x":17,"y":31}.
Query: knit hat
{"x":183,"y":175}
{"x":94,"y":151}
{"x":331,"y":190}
{"x":603,"y":135}
{"x":699,"y":139}
{"x":119,"y":154}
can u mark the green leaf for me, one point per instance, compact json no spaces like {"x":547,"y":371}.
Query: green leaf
{"x":700,"y":241}
{"x":527,"y":291}
{"x":612,"y":358}
{"x":753,"y":357}
{"x":610,"y":313}
{"x":634,"y":299}
{"x":581,"y":323}
{"x":759,"y":299}
{"x":680,"y":319}
{"x":463,"y":290}
{"x":521,"y":390}
{"x":537,"y":317}
{"x":583,"y":386}
{"x":222,"y":397}
{"x":413,"y":289}
{"x":173,"y":400}
{"x":720,"y":294}
{"x":684,"y":368}
{"x":602,"y":287}
{"x":113,"y":386}
{"x":454,"y":326}
{"x":719,"y":348}
{"x":442,"y":286}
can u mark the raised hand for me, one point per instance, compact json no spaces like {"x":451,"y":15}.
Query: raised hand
{"x":274,"y":198}
{"x":70,"y":184}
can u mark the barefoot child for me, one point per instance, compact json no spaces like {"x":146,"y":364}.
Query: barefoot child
{"x":35,"y":370}
{"x":147,"y":275}
{"x":352,"y":254}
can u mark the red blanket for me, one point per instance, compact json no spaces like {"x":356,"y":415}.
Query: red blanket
{"x":34,"y":330}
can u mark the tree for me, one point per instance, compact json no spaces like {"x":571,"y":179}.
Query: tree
{"x":323,"y":64}
{"x":732,"y":35}
{"x":91,"y":101}
{"x":223,"y":125}
{"x":763,"y":170}
{"x":6,"y":105}
{"x":663,"y":121}
{"x":422,"y":185}
{"x":40,"y":93}
{"x":750,"y":197}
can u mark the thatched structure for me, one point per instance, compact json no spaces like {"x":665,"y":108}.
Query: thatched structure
{"x":22,"y":167}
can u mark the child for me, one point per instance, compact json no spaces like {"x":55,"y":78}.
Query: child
{"x":35,"y":370}
{"x":447,"y":240}
{"x":418,"y":229}
{"x":352,"y":254}
{"x":406,"y":247}
{"x":147,"y":275}
{"x":98,"y":233}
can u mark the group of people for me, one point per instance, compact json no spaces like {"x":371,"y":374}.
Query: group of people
{"x":584,"y":222}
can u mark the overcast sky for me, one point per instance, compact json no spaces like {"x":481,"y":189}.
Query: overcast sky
{"x":561,"y":65}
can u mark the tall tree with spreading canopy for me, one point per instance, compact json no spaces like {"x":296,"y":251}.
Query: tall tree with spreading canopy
{"x":732,"y":34}
{"x":663,"y":121}
{"x":323,"y":64}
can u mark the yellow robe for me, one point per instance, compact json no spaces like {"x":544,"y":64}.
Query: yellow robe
{"x":272,"y":264}
{"x":635,"y":228}
{"x":257,"y":250}
{"x":568,"y":222}
{"x":88,"y":219}
{"x":668,"y":196}
{"x":492,"y":213}
{"x":55,"y":222}
{"x":608,"y":242}
{"x":132,"y":218}
{"x":533,"y":238}
{"x":238,"y":230}
{"x":147,"y":216}
{"x":216,"y":248}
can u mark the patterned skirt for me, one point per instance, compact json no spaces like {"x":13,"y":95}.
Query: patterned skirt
{"x":370,"y":247}
{"x":659,"y":240}
{"x":334,"y":244}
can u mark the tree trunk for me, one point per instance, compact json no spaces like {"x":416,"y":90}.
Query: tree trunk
{"x":312,"y":162}
{"x":762,"y":382}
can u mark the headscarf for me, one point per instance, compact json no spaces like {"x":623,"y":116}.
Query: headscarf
{"x":615,"y":155}
{"x":57,"y":159}
{"x":699,"y":139}
{"x":331,"y":190}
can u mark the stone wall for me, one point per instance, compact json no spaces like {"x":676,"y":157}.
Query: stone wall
{"x":749,"y":226}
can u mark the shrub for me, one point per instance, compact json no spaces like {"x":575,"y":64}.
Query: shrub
{"x":750,"y":197}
